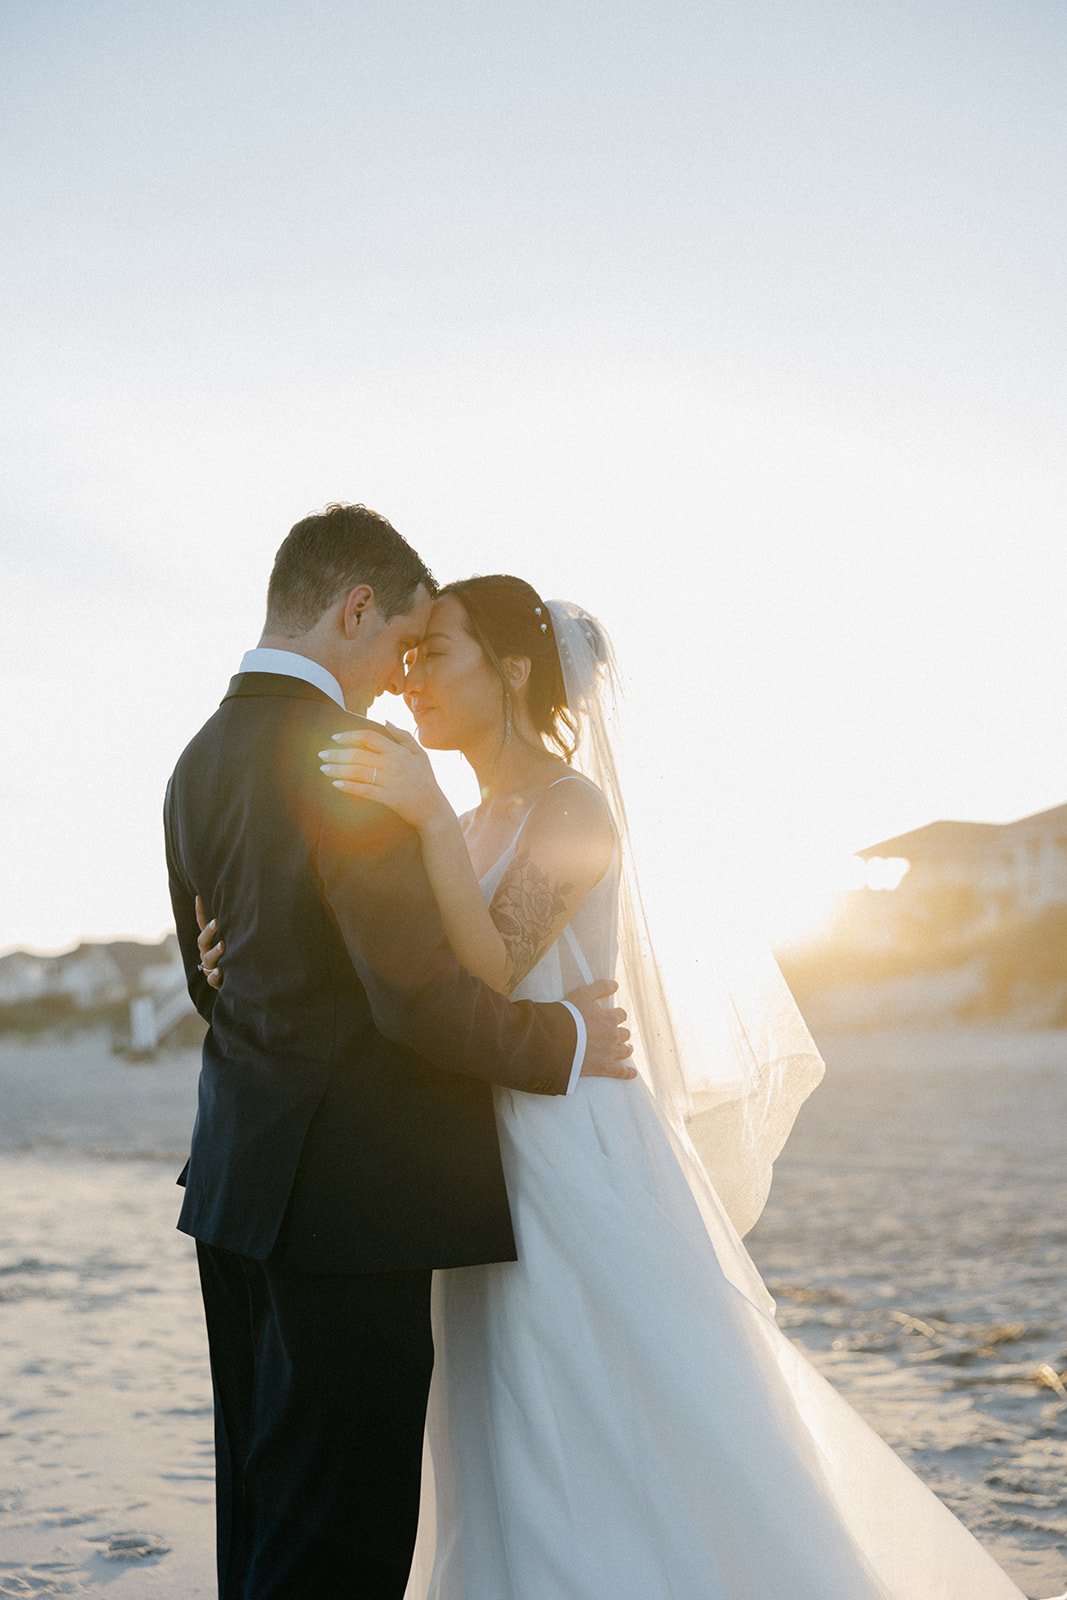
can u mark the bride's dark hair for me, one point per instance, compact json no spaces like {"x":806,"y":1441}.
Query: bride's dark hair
{"x":507,"y":617}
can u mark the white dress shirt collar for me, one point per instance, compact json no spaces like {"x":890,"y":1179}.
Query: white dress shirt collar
{"x":287,"y":664}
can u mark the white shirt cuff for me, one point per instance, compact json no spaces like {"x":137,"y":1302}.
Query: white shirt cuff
{"x":579,"y":1053}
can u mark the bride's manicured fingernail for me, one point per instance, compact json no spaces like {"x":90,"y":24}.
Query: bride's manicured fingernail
{"x":338,"y":784}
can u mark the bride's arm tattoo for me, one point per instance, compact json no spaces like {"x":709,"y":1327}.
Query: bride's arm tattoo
{"x":527,"y":911}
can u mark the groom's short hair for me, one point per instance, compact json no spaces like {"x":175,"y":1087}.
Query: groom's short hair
{"x":331,"y":552}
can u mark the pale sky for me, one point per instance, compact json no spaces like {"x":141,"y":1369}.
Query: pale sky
{"x":740,"y":324}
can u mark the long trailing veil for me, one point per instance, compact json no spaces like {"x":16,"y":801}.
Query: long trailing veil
{"x":718,"y":1035}
{"x":728,"y":1089}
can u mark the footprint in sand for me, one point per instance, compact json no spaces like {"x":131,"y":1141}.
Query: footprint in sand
{"x":133,"y":1547}
{"x":45,"y":1578}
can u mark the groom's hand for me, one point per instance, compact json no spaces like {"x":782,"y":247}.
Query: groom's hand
{"x":608,"y":1048}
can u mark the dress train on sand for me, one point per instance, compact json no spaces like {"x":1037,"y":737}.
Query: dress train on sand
{"x":618,"y":1414}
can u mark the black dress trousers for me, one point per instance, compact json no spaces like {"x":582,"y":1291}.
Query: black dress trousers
{"x":320,"y":1383}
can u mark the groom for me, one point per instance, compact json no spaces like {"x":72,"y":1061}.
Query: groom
{"x":345,"y":1143}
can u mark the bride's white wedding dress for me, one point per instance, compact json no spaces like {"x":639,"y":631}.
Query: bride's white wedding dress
{"x":617,"y":1416}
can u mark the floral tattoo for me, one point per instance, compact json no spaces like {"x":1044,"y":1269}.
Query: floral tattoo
{"x":525,"y":909}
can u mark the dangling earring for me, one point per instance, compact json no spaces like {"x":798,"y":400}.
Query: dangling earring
{"x":509,"y":726}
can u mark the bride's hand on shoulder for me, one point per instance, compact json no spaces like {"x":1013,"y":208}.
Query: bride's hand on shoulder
{"x":395,"y":771}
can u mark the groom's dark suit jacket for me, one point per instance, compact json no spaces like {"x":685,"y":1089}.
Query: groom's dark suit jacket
{"x":345,"y":1118}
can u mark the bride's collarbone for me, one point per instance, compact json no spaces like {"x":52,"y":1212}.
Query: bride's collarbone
{"x":488,"y":838}
{"x":491,"y":828}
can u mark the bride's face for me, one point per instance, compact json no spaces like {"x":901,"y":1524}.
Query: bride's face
{"x":451,"y":689}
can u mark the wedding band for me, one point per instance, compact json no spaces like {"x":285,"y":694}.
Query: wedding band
{"x":200,"y":967}
{"x":374,"y":776}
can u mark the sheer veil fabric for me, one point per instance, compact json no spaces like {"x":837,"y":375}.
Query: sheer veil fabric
{"x":732,"y":1090}
{"x":617,"y":1412}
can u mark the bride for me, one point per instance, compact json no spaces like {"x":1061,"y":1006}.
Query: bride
{"x":617,"y":1413}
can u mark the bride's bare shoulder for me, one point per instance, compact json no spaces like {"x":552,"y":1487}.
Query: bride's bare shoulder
{"x":575,"y":789}
{"x":572,"y":818}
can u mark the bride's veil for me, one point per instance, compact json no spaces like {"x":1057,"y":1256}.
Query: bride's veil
{"x":716,"y":1032}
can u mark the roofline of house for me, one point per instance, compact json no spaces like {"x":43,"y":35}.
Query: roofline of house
{"x":971,"y":835}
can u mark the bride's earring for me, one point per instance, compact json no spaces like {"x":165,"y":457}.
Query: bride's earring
{"x":509,"y":725}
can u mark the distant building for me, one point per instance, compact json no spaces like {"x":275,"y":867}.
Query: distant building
{"x":981,"y":874}
{"x":1039,"y":848}
{"x":22,"y":977}
{"x":92,"y":974}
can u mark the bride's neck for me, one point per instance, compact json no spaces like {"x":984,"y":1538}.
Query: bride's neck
{"x":508,"y":773}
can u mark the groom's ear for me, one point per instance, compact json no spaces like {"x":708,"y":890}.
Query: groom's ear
{"x":357,"y":602}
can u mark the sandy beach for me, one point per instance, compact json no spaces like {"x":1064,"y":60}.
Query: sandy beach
{"x":915,"y":1239}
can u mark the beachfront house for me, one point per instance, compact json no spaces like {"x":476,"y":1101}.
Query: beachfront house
{"x":974,"y":876}
{"x":92,"y":974}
